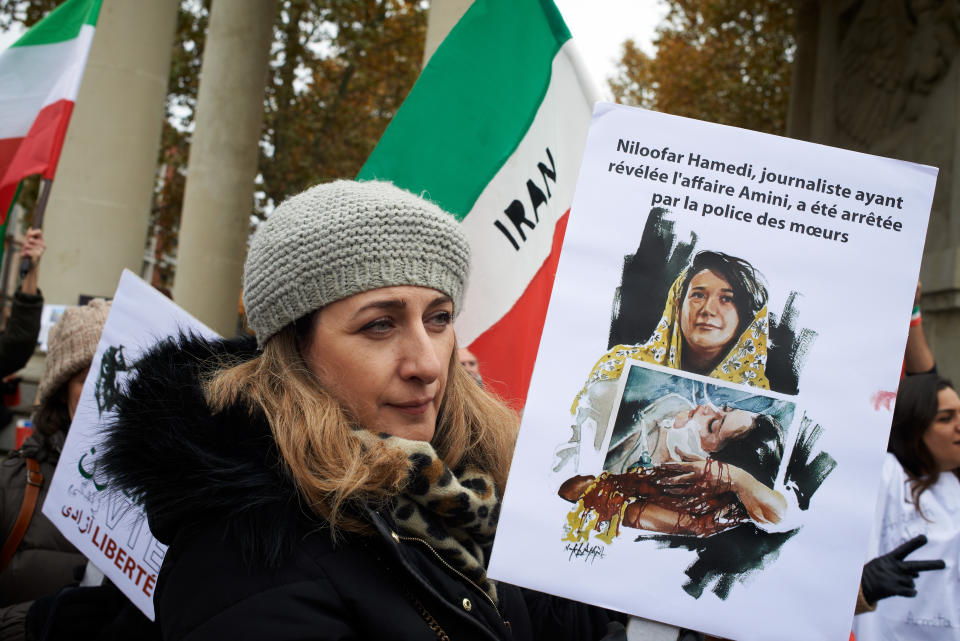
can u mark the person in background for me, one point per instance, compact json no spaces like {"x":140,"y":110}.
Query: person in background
{"x":338,"y":475}
{"x":471,"y":364}
{"x":19,"y":338}
{"x":919,"y":505}
{"x":43,"y":560}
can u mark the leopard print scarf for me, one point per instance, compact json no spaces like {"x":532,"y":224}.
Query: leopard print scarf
{"x":455,"y":512}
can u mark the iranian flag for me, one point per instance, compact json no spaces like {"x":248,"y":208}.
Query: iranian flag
{"x":493,"y":132}
{"x":39,"y":78}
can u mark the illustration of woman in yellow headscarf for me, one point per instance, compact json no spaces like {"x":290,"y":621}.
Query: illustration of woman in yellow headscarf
{"x":714,"y":323}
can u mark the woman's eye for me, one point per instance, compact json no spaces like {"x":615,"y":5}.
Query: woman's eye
{"x":696,"y":295}
{"x":379,"y":326}
{"x":727,"y":299}
{"x":440,"y":320}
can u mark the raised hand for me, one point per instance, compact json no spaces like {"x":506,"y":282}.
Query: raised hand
{"x":33,"y":246}
{"x":30,"y":253}
{"x":890,"y":575}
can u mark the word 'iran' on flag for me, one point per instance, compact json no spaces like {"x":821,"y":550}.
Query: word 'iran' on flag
{"x":39,"y":78}
{"x":493,"y":132}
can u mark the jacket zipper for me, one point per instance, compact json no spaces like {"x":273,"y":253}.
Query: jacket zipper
{"x":455,"y":571}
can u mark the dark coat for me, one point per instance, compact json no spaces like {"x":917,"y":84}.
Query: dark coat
{"x":45,"y":560}
{"x":247,"y":561}
{"x":19,"y":339}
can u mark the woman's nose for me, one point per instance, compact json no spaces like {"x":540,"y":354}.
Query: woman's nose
{"x":419,"y":359}
{"x":709,"y":307}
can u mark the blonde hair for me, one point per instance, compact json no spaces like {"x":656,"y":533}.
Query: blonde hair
{"x":332,"y":469}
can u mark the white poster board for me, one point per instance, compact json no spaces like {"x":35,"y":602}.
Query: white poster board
{"x":107,"y":527}
{"x":760,"y":533}
{"x":49,"y":317}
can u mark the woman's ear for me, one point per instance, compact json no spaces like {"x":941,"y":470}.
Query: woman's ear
{"x":303,"y":330}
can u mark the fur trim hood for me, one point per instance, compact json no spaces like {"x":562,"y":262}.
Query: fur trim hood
{"x":189,"y":466}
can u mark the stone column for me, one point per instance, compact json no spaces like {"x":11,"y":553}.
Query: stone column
{"x":218,"y":199}
{"x":803,"y":76}
{"x":896,"y":94}
{"x":440,"y":20}
{"x":96,"y":219}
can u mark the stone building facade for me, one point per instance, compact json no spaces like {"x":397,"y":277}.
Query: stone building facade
{"x":883,"y":77}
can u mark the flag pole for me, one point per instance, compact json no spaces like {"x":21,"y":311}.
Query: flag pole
{"x":45,"y":184}
{"x":9,"y":228}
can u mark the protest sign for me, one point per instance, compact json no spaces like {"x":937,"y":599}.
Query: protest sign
{"x":710,"y":405}
{"x":109,"y":527}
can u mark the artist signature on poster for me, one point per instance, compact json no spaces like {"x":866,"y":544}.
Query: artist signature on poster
{"x":584,"y":551}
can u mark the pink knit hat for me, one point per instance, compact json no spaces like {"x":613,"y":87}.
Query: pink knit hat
{"x":71,"y":345}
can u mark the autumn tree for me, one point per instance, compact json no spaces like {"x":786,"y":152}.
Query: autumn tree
{"x":726,"y":61}
{"x":24,"y":13}
{"x":339,"y":69}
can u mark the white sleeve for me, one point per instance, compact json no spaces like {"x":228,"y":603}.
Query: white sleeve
{"x":890,"y":496}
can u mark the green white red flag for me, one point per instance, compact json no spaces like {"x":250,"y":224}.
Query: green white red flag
{"x":493,"y":132}
{"x":39,"y":78}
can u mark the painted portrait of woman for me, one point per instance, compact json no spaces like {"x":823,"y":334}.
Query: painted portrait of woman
{"x":714,"y":323}
{"x":691,"y":309}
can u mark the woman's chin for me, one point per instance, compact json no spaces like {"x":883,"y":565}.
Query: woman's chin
{"x":709,"y":345}
{"x":413,"y":430}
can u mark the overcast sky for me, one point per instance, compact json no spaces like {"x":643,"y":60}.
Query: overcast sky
{"x":599,"y":28}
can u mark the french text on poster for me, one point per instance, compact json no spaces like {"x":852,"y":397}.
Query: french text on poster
{"x":700,"y":444}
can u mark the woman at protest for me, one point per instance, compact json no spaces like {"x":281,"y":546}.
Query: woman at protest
{"x":338,"y":475}
{"x":36,"y":559}
{"x":919,"y":505}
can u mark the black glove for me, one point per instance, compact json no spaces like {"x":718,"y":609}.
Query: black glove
{"x":73,"y":613}
{"x":889,"y":575}
{"x":99,"y":613}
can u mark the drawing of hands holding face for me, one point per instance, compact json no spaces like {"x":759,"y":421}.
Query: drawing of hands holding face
{"x":693,"y":473}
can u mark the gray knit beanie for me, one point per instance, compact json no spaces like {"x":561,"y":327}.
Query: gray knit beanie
{"x":346,"y":237}
{"x":71,"y":345}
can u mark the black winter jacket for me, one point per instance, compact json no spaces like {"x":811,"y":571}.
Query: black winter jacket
{"x":19,"y":340}
{"x":246,"y":560}
{"x":45,"y":560}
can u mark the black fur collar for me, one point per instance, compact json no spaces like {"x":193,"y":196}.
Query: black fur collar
{"x":190,"y":466}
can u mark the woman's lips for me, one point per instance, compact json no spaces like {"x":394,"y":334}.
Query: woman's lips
{"x":706,"y":326}
{"x":413,"y":407}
